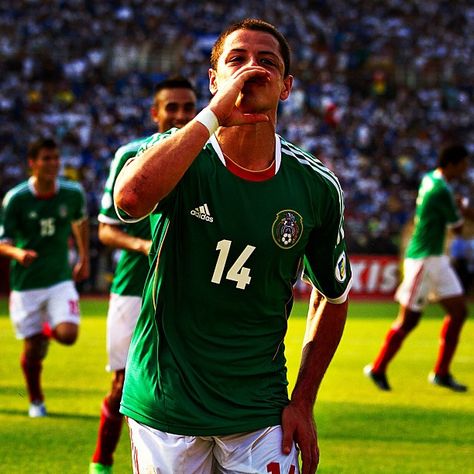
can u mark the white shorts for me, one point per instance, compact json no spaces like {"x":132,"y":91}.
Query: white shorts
{"x":427,"y":279}
{"x":121,"y":320}
{"x":155,"y":451}
{"x":30,"y":309}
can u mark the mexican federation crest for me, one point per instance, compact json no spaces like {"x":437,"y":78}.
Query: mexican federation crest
{"x":287,"y":228}
{"x":63,"y":211}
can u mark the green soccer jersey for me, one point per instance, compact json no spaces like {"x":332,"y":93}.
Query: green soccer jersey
{"x":132,"y":267}
{"x":207,"y":355}
{"x":436,"y":210}
{"x":43,"y":225}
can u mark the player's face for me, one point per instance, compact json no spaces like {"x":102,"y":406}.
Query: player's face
{"x":458,"y":170}
{"x":46,"y":165}
{"x":462,"y":167}
{"x":173,"y":108}
{"x":244,"y":48}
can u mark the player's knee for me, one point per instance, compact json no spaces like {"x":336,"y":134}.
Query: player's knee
{"x":408,"y":320}
{"x":117,"y":383}
{"x":66,"y":333}
{"x":114,"y":399}
{"x":115,"y":395}
{"x":409,"y":325}
{"x":457,"y":312}
{"x":464,"y":313}
{"x":67,"y":339}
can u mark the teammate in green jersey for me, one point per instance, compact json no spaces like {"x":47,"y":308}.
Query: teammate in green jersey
{"x":174,"y":105}
{"x":240,"y":211}
{"x":428,"y":274}
{"x":36,"y":222}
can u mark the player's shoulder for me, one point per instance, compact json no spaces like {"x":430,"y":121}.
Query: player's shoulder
{"x":21,"y":189}
{"x":129,"y":149}
{"x":69,"y":186}
{"x":308,"y":165}
{"x":435,"y":184}
{"x":154,"y":139}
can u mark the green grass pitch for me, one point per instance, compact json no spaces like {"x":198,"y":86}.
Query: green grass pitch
{"x":417,"y":428}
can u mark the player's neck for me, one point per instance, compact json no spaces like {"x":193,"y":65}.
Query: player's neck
{"x":249,"y":147}
{"x":43,"y":187}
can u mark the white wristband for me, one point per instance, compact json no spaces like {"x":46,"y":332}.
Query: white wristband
{"x":208,"y":118}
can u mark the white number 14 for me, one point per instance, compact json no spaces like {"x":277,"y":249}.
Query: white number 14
{"x":237,"y":272}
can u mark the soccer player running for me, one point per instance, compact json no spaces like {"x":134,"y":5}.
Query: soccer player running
{"x":36,"y":221}
{"x":174,"y":105}
{"x":428,"y":274}
{"x":239,"y":211}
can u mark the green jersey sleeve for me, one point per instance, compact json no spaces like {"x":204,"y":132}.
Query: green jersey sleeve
{"x":325,"y":261}
{"x":8,"y":218}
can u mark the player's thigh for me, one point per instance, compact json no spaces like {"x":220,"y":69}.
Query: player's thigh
{"x":121,"y":320}
{"x":159,"y":452}
{"x":63,"y":304}
{"x":415,"y":287}
{"x":256,"y":452}
{"x":27,"y":311}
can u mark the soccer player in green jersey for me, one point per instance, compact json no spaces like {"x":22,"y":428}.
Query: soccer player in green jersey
{"x":428,"y":274}
{"x":174,"y":105}
{"x":37,"y":218}
{"x":240,"y":212}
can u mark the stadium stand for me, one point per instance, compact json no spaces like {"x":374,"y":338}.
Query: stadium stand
{"x":380,"y":85}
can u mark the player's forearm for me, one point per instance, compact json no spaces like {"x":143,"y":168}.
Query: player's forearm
{"x":324,"y":329}
{"x":10,"y":251}
{"x":148,"y":178}
{"x":468,"y":213}
{"x":113,"y":236}
{"x":81,"y":234}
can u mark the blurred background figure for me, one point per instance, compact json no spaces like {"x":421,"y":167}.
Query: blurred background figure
{"x":36,"y":220}
{"x":174,"y":105}
{"x":381,"y":85}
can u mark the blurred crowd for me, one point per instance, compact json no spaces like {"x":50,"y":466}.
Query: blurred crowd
{"x":379,"y":87}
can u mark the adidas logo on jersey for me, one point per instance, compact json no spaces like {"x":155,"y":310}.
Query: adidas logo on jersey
{"x":202,"y":212}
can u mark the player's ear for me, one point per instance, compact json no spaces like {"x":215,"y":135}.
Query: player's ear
{"x":212,"y":81}
{"x":154,"y":114}
{"x":287,"y":86}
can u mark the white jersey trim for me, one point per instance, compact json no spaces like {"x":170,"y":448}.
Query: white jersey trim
{"x":309,"y":160}
{"x":217,"y":148}
{"x":340,"y":299}
{"x":455,"y":224}
{"x":33,"y":191}
{"x":108,"y":220}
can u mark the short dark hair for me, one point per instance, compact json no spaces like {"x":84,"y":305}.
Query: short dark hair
{"x":174,"y":82}
{"x":453,"y":153}
{"x":38,"y":144}
{"x":253,"y":24}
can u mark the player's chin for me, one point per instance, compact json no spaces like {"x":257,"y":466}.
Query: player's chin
{"x":253,"y":105}
{"x":51,"y":174}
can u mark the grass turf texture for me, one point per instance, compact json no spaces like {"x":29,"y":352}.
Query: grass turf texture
{"x":417,"y":428}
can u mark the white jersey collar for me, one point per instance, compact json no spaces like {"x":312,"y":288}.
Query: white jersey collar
{"x":217,"y":148}
{"x":32,"y":188}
